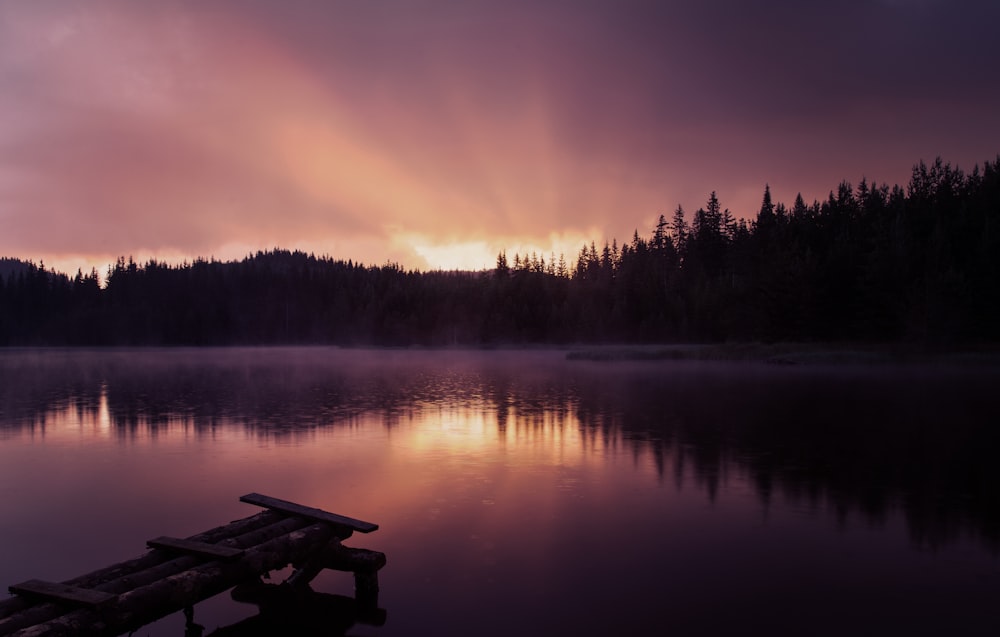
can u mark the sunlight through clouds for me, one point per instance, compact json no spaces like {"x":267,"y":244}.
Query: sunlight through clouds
{"x":436,"y":137}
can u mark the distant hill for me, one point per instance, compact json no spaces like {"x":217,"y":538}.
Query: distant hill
{"x":10,"y":266}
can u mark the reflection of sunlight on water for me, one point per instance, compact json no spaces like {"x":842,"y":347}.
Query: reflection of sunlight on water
{"x":446,"y":431}
{"x":455,"y":446}
{"x":103,"y":413}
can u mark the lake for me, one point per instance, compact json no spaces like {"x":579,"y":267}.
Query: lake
{"x":519,"y":492}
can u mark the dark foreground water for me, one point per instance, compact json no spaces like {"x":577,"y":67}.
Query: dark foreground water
{"x":522,"y":494}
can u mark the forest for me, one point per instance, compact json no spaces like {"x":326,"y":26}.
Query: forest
{"x":871,"y":263}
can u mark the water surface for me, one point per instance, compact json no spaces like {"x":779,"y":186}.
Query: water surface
{"x":521,"y":493}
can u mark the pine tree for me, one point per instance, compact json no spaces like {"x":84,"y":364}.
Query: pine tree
{"x":660,"y":234}
{"x":714,"y":214}
{"x":799,"y":209}
{"x":502,"y":269}
{"x":680,"y":229}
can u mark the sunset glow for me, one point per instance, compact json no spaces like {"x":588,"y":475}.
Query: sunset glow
{"x":437,"y":136}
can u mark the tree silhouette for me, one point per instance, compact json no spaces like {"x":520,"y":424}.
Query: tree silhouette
{"x":917,"y":264}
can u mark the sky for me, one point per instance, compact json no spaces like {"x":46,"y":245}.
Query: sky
{"x":435,"y":134}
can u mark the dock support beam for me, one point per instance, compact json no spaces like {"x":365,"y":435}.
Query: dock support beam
{"x":363,"y":563}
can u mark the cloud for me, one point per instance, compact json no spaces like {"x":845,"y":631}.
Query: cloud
{"x":423,"y":132}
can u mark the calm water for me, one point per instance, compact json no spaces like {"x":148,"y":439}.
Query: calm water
{"x":520,"y":493}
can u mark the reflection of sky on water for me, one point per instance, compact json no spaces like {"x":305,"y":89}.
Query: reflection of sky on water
{"x":522,"y":484}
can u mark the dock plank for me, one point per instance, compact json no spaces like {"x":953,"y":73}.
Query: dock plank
{"x":175,"y":575}
{"x":308,"y":512}
{"x":56,"y":592}
{"x":190,"y":547}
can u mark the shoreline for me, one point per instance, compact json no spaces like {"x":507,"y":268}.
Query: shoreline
{"x":791,"y":354}
{"x":782,"y":353}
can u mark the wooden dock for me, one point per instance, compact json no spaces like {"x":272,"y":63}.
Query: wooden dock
{"x":177,"y":573}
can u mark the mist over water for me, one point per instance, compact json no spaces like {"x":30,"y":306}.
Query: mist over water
{"x":520,"y":491}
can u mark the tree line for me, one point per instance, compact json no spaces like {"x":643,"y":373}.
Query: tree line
{"x":919,"y":264}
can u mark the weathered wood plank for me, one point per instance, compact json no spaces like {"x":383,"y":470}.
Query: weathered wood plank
{"x":308,"y":512}
{"x":54,"y":591}
{"x":189,"y":547}
{"x":96,"y":579}
{"x":144,"y":574}
{"x":150,"y":586}
{"x":346,"y":558}
{"x":145,"y":604}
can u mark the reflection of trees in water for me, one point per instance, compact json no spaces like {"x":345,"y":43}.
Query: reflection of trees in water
{"x":270,"y":391}
{"x":867,"y":442}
